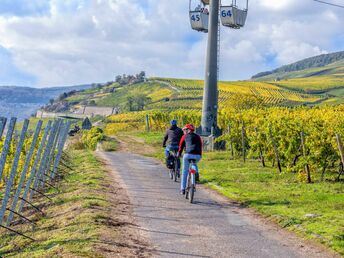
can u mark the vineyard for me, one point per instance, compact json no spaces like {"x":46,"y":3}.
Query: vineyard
{"x":28,"y":166}
{"x":312,"y":85}
{"x":291,"y":139}
{"x":172,"y":94}
{"x":190,"y":94}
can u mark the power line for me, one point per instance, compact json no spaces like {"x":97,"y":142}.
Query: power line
{"x":323,"y":2}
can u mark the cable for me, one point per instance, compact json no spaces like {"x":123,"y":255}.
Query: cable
{"x":323,"y":2}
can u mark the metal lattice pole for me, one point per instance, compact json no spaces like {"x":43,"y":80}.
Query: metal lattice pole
{"x":24,"y":171}
{"x":7,"y":144}
{"x":13,"y":170}
{"x":34,"y":167}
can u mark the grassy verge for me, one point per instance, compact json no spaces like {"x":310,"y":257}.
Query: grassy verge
{"x":314,"y":211}
{"x":74,"y":220}
{"x":109,"y":144}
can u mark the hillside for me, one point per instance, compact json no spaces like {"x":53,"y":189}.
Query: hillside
{"x":322,"y":74}
{"x":172,"y":94}
{"x":23,"y":101}
{"x":327,"y":64}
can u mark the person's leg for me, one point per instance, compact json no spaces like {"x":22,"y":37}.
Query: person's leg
{"x":185,"y":172}
{"x":197,"y":158}
{"x":167,"y":151}
{"x":175,"y":148}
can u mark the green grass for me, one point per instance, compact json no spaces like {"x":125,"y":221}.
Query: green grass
{"x":109,"y":144}
{"x":72,"y":226}
{"x":280,"y":197}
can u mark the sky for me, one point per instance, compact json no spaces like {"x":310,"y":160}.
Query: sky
{"x":68,"y":42}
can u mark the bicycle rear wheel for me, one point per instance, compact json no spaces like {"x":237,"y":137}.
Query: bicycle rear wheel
{"x":192,"y":188}
{"x":171,"y":174}
{"x":187,"y":187}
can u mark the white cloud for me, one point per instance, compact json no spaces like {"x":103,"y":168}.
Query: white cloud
{"x":84,"y":41}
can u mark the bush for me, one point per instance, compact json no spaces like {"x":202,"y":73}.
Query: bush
{"x":91,"y":137}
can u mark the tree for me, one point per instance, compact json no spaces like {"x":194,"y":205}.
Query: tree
{"x":138,"y":102}
{"x":92,"y":103}
{"x":63,"y":96}
{"x":130,"y":103}
{"x":118,"y":78}
{"x":141,"y":101}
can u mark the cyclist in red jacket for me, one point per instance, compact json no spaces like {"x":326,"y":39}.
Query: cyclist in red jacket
{"x":192,"y":143}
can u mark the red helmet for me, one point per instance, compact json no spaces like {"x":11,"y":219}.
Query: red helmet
{"x":190,"y":127}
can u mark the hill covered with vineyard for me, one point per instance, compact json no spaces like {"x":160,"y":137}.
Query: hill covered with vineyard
{"x":173,"y":94}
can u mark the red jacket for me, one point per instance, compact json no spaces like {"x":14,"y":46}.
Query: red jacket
{"x":192,"y":143}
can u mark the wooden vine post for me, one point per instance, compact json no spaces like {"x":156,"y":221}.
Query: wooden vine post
{"x":341,"y":152}
{"x":309,"y":179}
{"x":231,"y":142}
{"x":243,"y":141}
{"x":261,"y":156}
{"x":147,"y":123}
{"x":275,"y":149}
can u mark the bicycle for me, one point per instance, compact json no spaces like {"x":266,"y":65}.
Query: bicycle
{"x":173,"y":170}
{"x":191,"y":181}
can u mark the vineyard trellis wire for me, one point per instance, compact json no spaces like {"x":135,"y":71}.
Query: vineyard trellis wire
{"x":27,"y":165}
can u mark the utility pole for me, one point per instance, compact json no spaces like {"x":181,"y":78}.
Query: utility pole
{"x":210,"y":95}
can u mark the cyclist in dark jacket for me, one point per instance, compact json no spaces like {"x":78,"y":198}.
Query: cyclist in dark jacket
{"x":172,"y":139}
{"x":192,"y":143}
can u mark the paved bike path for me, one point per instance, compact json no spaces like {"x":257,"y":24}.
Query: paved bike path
{"x":211,"y":227}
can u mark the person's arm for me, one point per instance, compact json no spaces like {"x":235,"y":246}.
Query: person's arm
{"x":165,"y":139}
{"x":201,"y":143}
{"x":181,"y":146}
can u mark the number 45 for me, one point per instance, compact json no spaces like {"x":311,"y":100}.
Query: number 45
{"x":195,"y":17}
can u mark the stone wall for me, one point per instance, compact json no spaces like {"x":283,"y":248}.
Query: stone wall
{"x":85,"y":111}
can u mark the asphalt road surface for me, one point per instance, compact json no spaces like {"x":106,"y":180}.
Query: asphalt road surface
{"x":211,"y":227}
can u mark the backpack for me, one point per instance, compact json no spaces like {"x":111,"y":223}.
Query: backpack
{"x":170,"y":162}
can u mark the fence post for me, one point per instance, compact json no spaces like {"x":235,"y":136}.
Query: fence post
{"x":309,"y":179}
{"x":13,"y":169}
{"x":44,"y":158}
{"x":46,"y":170}
{"x":7,"y":144}
{"x":275,"y":149}
{"x":24,"y":171}
{"x":3,"y":121}
{"x":34,"y":166}
{"x":60,"y":150}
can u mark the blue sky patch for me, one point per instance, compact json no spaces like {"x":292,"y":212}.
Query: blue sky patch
{"x":24,"y":8}
{"x":10,"y":74}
